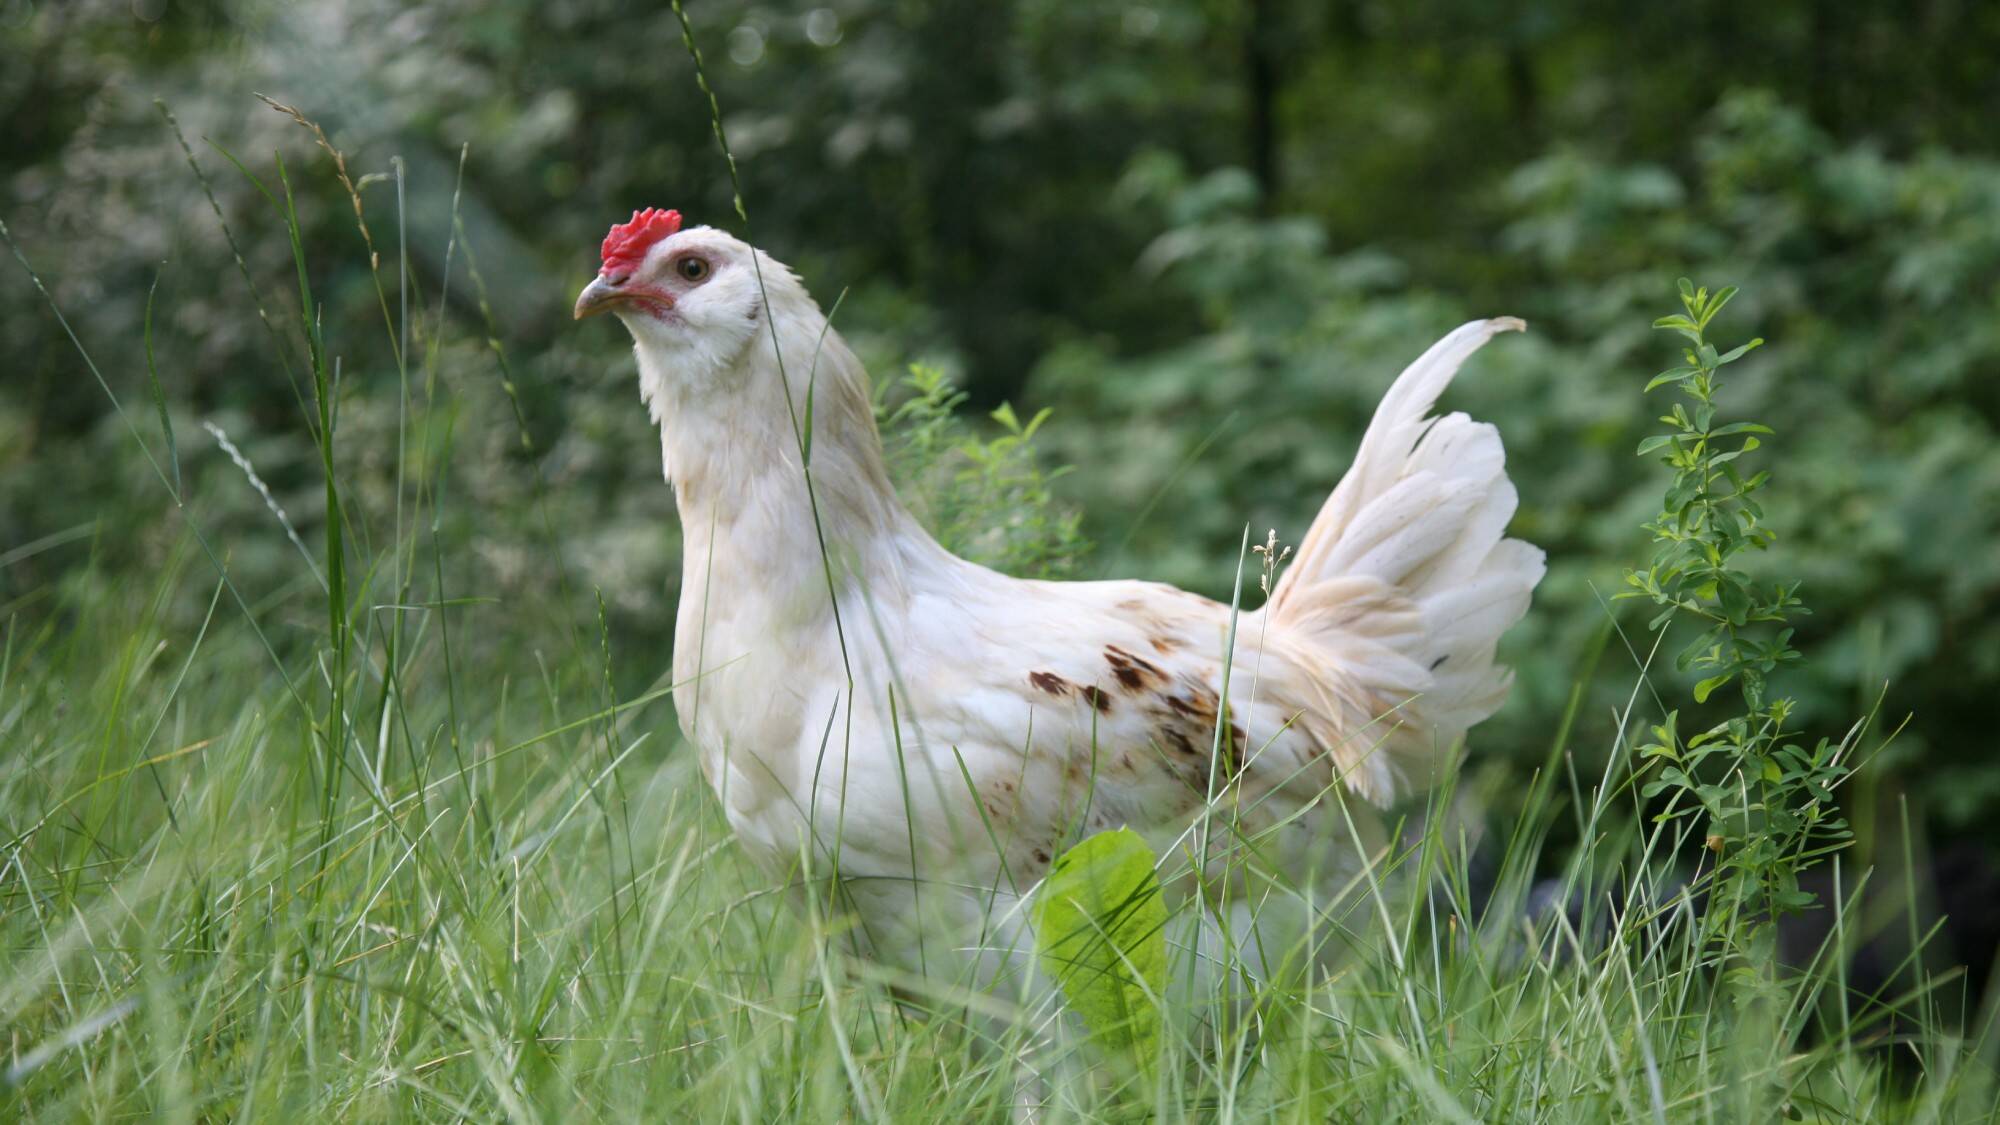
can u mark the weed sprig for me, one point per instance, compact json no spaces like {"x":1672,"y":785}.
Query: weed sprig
{"x":1768,"y":800}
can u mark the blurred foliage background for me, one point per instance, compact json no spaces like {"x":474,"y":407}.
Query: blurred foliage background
{"x":1207,"y":233}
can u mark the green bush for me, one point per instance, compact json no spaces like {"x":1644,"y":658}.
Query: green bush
{"x":1880,"y":275}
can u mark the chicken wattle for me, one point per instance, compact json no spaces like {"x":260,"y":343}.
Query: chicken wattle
{"x":925,"y":734}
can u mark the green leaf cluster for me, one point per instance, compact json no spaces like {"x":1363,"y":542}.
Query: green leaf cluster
{"x":1709,"y":517}
{"x":988,"y":498}
{"x":1768,"y":801}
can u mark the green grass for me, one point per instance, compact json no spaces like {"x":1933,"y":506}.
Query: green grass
{"x":377,"y":844}
{"x":520,"y":902}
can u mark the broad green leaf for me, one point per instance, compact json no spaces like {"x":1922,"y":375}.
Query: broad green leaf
{"x":1035,"y":423}
{"x":1100,"y":930}
{"x":1707,"y":686}
{"x":1674,"y":375}
{"x":1736,"y":353}
{"x":1722,"y":297}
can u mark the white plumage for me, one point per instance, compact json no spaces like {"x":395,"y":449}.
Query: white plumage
{"x":941,"y":731}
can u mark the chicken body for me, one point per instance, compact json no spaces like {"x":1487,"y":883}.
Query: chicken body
{"x":922,"y":735}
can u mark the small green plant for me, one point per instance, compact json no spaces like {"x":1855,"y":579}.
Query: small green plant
{"x":988,"y":500}
{"x":1100,"y":927}
{"x":1769,"y":801}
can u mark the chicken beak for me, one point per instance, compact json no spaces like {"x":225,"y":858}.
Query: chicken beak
{"x":596,"y":298}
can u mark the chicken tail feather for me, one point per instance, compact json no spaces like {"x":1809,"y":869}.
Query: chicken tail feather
{"x":1405,"y":582}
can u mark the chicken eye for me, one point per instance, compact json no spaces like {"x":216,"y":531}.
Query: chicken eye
{"x":692,"y":269}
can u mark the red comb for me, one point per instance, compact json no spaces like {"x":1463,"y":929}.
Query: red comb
{"x":625,"y":247}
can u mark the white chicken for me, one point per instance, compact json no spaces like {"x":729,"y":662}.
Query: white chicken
{"x":933,"y":733}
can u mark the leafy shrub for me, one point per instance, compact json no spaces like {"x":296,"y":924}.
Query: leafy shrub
{"x":1879,"y":272}
{"x":988,"y":500}
{"x":1768,"y":803}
